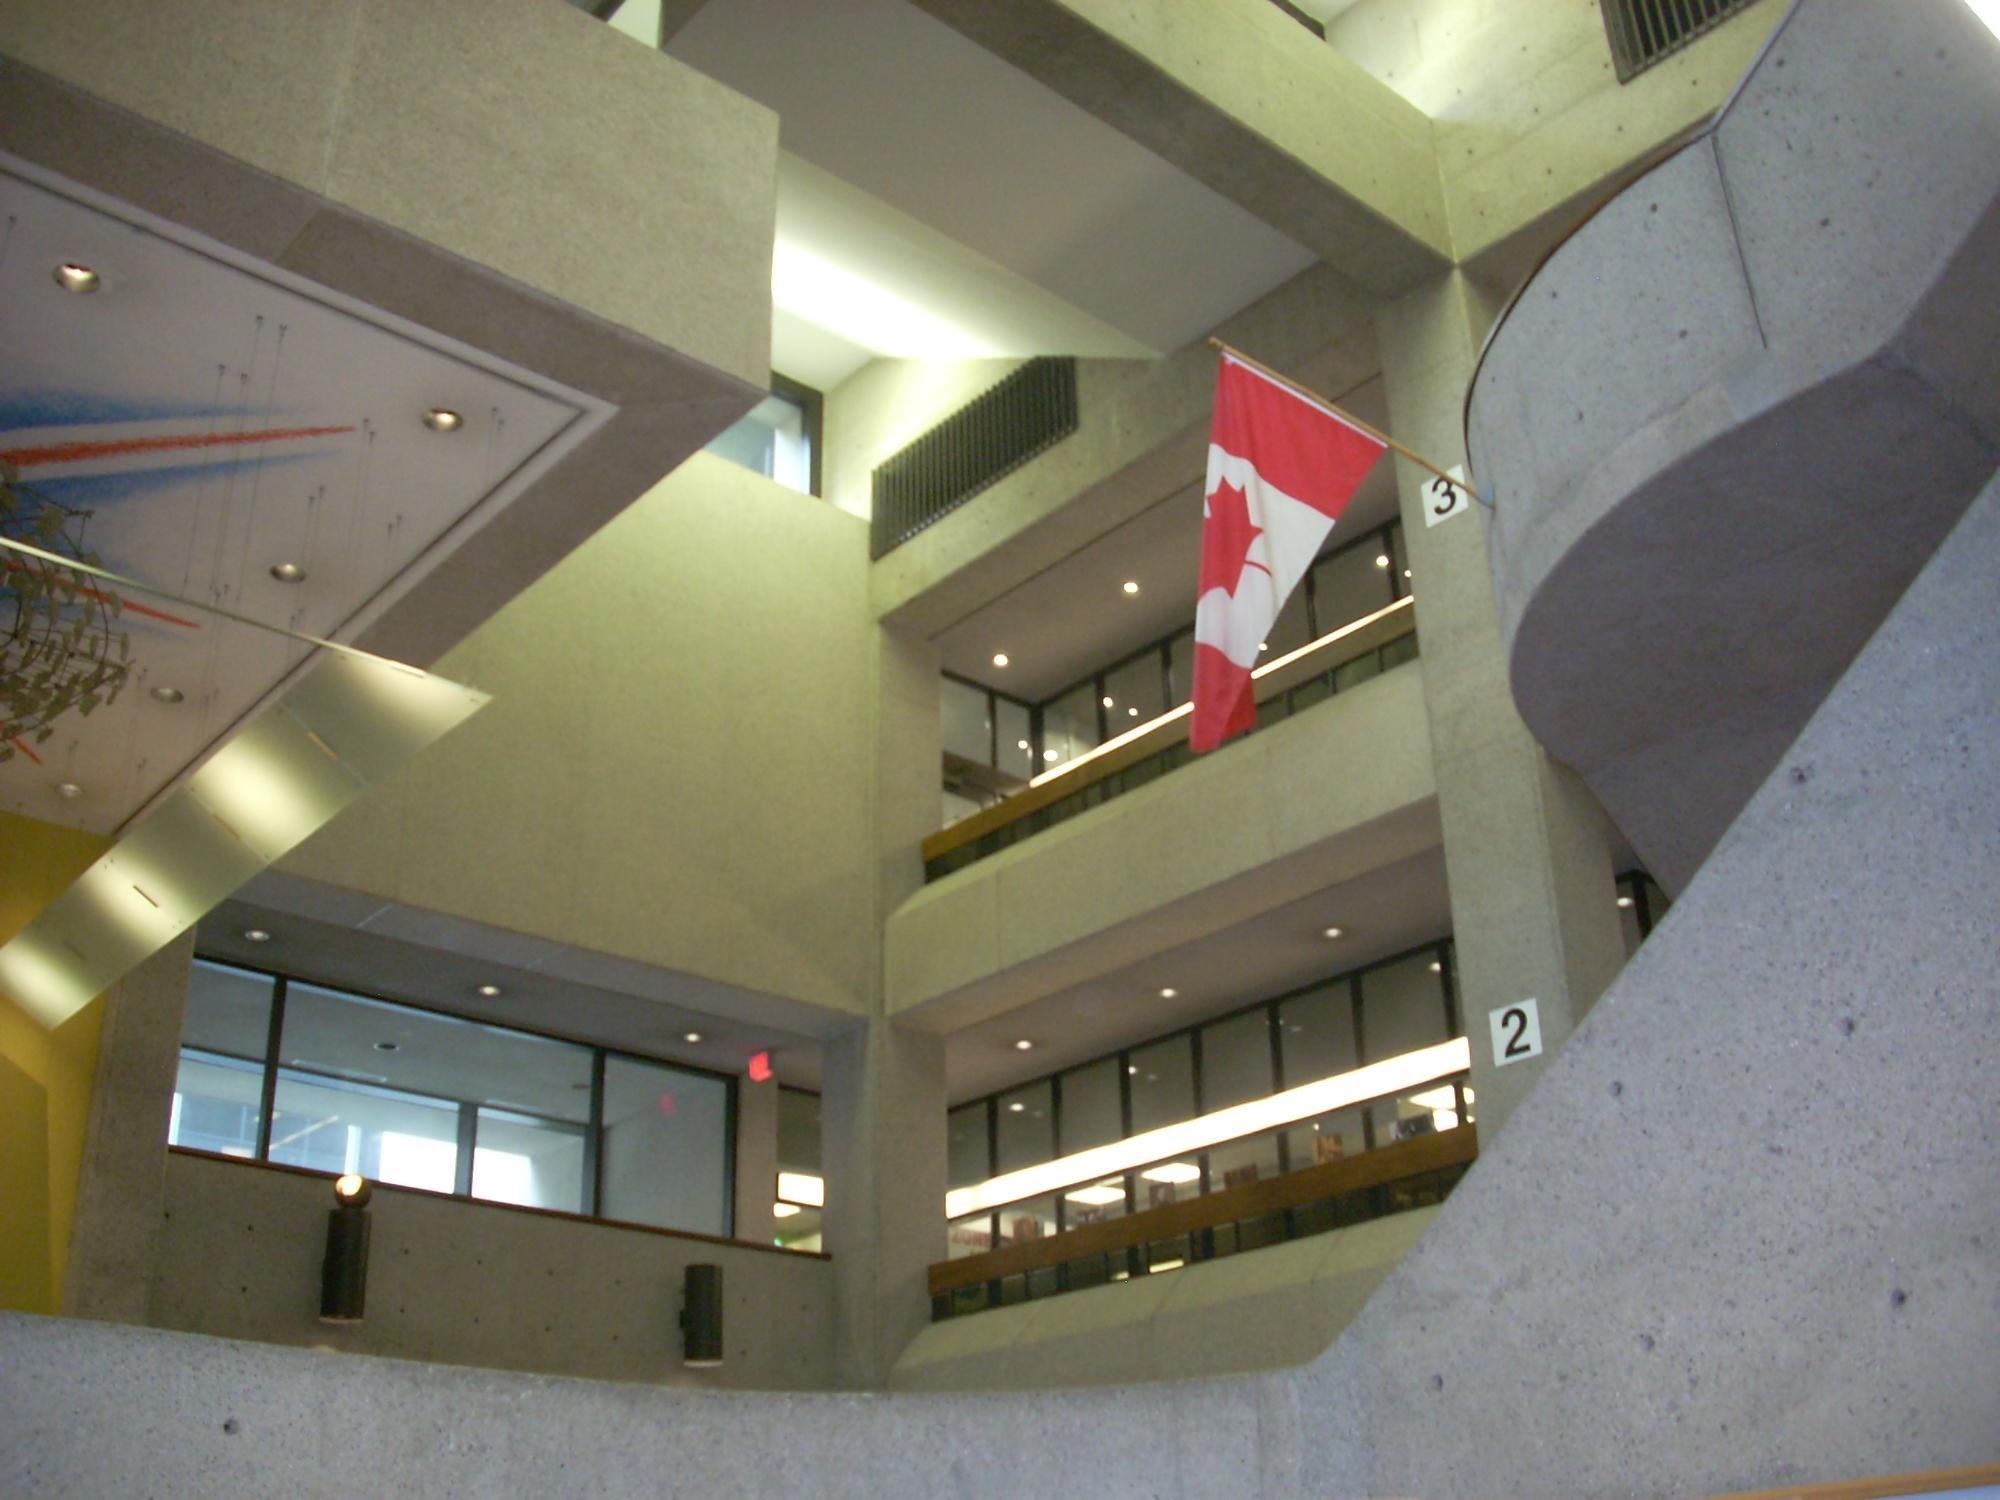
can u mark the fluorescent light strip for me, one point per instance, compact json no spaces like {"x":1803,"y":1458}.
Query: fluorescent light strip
{"x":1394,"y":1075}
{"x":803,"y":1188}
{"x":1185,"y":709}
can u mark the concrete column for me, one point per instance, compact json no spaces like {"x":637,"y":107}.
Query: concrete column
{"x":883,"y":1149}
{"x":756,"y":1159}
{"x":121,"y":1192}
{"x":1528,"y":850}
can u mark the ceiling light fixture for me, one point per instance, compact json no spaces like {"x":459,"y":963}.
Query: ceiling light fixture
{"x":80,"y":279}
{"x":256,"y":935}
{"x":785,"y":1210}
{"x":999,"y":658}
{"x":1173,"y":1173}
{"x":165,"y":694}
{"x":1626,"y":903}
{"x":1049,"y":756}
{"x":440,"y":419}
{"x":692,"y":1038}
{"x":1131,"y":586}
{"x":388,"y":1046}
{"x":1024,"y":1045}
{"x":1169,"y":1144}
{"x":1016,"y":1107}
{"x":1023,"y":745}
{"x":69,"y":791}
{"x":1168,"y":993}
{"x":1107,"y":701}
{"x":1098,"y":1195}
{"x":288,"y":572}
{"x":1334,"y":932}
{"x":804,"y":1188}
{"x":1381,"y":559}
{"x":490,"y":991}
{"x":1436,"y":967}
{"x":1131,"y":713}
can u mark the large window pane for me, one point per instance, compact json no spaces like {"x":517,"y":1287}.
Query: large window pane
{"x":1180,"y":665}
{"x":966,"y":725}
{"x":1026,"y":1127}
{"x":969,"y":1158}
{"x":1069,"y":726}
{"x":1090,"y":1110}
{"x":217,"y":1104}
{"x":771,"y":440}
{"x":1235,"y":1060}
{"x":1017,"y":751}
{"x":798,"y":1131}
{"x":666,"y":1147}
{"x":1402,"y":1006}
{"x":1162,"y":1079}
{"x":536,"y":1163}
{"x":1316,"y":1030}
{"x":228,"y":1011}
{"x":1135,"y":693}
{"x":1348,"y":585}
{"x":332,"y":1125}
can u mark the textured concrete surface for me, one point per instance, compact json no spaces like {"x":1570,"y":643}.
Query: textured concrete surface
{"x":712,"y":637}
{"x":121,"y":1189}
{"x":1528,"y":851}
{"x":1822,"y":264}
{"x":1747,"y":1230}
{"x":1215,"y":843}
{"x":1281,"y":1305}
{"x":477,"y":1284}
{"x":383,"y":151}
{"x":1231,"y":93}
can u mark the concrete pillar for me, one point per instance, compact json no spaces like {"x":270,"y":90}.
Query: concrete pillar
{"x":121,"y":1190}
{"x":883,"y":1150}
{"x":1528,"y":850}
{"x":756,"y":1159}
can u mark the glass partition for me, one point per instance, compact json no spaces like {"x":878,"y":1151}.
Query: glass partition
{"x":416,"y":1098}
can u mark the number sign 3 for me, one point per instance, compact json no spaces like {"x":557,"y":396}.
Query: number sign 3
{"x":1444,"y":499}
{"x":1517,"y":1033}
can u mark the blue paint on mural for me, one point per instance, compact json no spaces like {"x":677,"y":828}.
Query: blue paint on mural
{"x":80,"y":408}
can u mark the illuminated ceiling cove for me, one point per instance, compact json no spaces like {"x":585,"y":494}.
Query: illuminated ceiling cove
{"x":230,"y":435}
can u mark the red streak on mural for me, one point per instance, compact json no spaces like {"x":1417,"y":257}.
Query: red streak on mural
{"x":120,"y":600}
{"x":22,"y":746}
{"x":69,"y":453}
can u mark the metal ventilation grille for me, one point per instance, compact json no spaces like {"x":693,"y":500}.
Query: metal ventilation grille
{"x":1642,"y":32}
{"x":989,"y":437}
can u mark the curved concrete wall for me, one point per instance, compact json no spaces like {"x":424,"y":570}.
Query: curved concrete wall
{"x":1733,"y":414}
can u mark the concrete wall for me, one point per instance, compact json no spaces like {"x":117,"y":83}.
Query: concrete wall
{"x":1281,"y":1305}
{"x":681,"y":712}
{"x":1529,"y":117}
{"x":1340,"y":789}
{"x":466,"y":1283}
{"x":44,"y":1077}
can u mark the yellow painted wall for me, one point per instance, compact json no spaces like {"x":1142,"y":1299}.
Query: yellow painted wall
{"x":45,"y":1078}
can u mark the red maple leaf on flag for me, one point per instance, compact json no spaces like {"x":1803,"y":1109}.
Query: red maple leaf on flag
{"x":1227,"y":539}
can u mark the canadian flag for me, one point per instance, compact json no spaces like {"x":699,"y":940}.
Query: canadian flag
{"x":1281,"y":468}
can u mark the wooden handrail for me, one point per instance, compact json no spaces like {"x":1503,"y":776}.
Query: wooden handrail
{"x":1385,"y":1164}
{"x":1882,"y":1486}
{"x":1034,"y":798}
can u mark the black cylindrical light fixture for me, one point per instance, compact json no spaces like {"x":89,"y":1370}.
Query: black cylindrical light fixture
{"x":343,"y":1277}
{"x":701,"y":1317}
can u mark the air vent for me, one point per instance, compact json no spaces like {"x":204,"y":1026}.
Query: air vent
{"x":983,"y":441}
{"x":1642,"y":32}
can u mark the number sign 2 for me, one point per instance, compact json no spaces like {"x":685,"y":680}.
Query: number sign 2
{"x":1517,"y":1032}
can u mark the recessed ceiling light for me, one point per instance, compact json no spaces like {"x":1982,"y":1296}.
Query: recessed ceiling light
{"x":1333,"y":932}
{"x":439,"y":419}
{"x":1023,"y":744}
{"x":999,"y":658}
{"x":1016,"y":1107}
{"x":1132,"y":1070}
{"x":1131,"y":586}
{"x":1107,"y":701}
{"x":692,"y":1038}
{"x":1024,"y":1045}
{"x":1263,"y":645}
{"x":388,"y":1046}
{"x":1168,"y":993}
{"x":288,"y":572}
{"x":490,"y":991}
{"x":165,"y":694}
{"x":1406,"y":572}
{"x":1131,"y":713}
{"x":1436,"y":967}
{"x":1626,"y":902}
{"x":256,"y":935}
{"x":1050,"y":756}
{"x":1381,"y":559}
{"x":784,"y":1210}
{"x":69,"y":790}
{"x":72,"y":277}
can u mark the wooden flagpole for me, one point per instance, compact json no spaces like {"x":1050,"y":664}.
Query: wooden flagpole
{"x":1347,"y":416}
